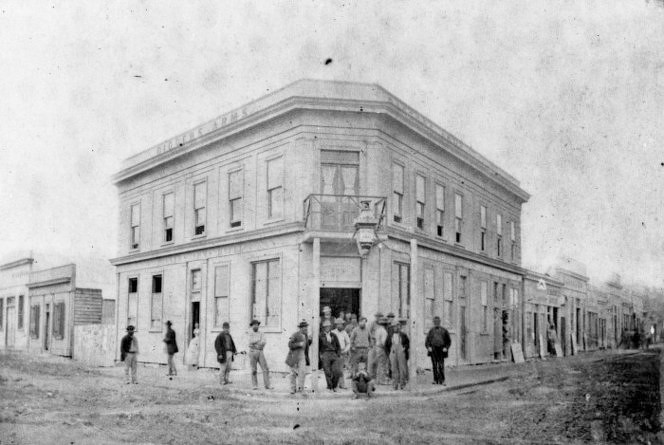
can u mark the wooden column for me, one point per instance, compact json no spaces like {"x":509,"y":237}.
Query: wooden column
{"x":415,"y":324}
{"x":315,"y":314}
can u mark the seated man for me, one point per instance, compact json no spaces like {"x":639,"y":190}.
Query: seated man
{"x":362,"y":383}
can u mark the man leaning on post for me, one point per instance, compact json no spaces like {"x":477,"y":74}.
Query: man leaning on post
{"x":438,"y":343}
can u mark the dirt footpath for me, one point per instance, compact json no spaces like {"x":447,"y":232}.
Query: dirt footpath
{"x":593,"y":398}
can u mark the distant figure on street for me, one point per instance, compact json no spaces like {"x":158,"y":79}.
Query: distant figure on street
{"x":360,"y":343}
{"x":171,"y":348}
{"x":194,"y":348}
{"x":256,"y":356}
{"x":129,"y":355}
{"x":378,"y":362}
{"x":362,"y":383}
{"x":329,"y":350}
{"x":397,"y":346}
{"x":298,"y":357}
{"x":225,"y":347}
{"x":344,"y":345}
{"x":438,"y":343}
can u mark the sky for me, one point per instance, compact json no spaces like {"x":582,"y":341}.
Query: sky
{"x":567,"y":96}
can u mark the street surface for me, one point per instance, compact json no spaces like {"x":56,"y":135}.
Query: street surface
{"x":601,"y":397}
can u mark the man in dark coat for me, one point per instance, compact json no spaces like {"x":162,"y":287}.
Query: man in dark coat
{"x":129,"y":355}
{"x":330,"y":355}
{"x":171,"y":348}
{"x":225,"y":348}
{"x":438,"y":344}
{"x":298,"y":357}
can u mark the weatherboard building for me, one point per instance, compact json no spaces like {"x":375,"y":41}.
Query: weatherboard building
{"x":321,"y":193}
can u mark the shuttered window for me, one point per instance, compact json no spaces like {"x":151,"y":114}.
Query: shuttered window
{"x":59,"y":321}
{"x":266,"y":298}
{"x":221,"y":293}
{"x":34,"y":321}
{"x":235,"y":186}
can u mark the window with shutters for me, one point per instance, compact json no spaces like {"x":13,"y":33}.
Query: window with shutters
{"x":221,"y":294}
{"x":397,"y":192}
{"x":458,"y":217}
{"x":2,"y":311}
{"x":429,"y":297}
{"x":401,"y":288}
{"x":200,"y":207}
{"x":59,"y":321}
{"x":34,"y":321}
{"x":448,"y":298}
{"x":168,"y":205}
{"x":266,"y":295}
{"x":21,"y":303}
{"x":440,"y":210}
{"x":275,"y":188}
{"x":156,"y":303}
{"x":135,"y":226}
{"x":132,"y":302}
{"x":235,"y":195}
{"x":484,"y":290}
{"x":420,"y":200}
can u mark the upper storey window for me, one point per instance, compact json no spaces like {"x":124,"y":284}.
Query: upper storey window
{"x":458,"y":216}
{"x":440,"y":209}
{"x":397,"y":195}
{"x":482,"y":228}
{"x":235,"y":183}
{"x":168,"y":204}
{"x":499,"y":235}
{"x":513,"y":239}
{"x":340,"y":172}
{"x":135,"y":226}
{"x":420,"y":197}
{"x":275,"y":188}
{"x":200,"y":207}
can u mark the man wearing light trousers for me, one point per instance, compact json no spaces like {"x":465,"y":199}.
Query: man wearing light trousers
{"x":256,"y":355}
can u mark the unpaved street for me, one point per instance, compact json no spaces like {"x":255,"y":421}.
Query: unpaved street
{"x":601,"y":397}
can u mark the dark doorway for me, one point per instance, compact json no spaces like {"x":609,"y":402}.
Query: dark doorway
{"x":536,"y":328}
{"x":195,"y":317}
{"x":340,"y":299}
{"x":506,"y":334}
{"x":47,"y":320}
{"x":462,"y":329}
{"x":563,"y":336}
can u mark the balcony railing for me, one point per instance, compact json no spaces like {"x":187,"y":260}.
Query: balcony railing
{"x":337,"y":213}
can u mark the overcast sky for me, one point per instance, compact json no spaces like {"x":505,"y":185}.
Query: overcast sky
{"x":567,"y":96}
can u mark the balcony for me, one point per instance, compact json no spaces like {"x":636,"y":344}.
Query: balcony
{"x":337,"y":213}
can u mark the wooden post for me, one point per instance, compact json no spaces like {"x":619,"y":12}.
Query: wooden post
{"x":415,"y":325}
{"x":315,"y":315}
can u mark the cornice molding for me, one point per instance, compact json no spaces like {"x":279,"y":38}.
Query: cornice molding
{"x":17,"y":263}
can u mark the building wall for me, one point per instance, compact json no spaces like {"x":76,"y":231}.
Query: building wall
{"x":52,"y":295}
{"x":15,"y":319}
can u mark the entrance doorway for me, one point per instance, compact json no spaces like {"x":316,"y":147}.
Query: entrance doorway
{"x":47,"y":320}
{"x":195,"y":317}
{"x":462,"y":329}
{"x":11,"y":326}
{"x":563,"y":335}
{"x":340,"y":299}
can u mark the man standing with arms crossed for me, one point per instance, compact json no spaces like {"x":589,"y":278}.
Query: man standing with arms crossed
{"x":256,"y":355}
{"x":298,"y":357}
{"x":225,"y":348}
{"x":438,"y":344}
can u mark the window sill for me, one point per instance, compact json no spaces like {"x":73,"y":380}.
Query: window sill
{"x":235,"y":229}
{"x":137,"y":250}
{"x":202,"y":235}
{"x":440,"y":238}
{"x":273,"y":221}
{"x":167,"y":243}
{"x":459,"y":245}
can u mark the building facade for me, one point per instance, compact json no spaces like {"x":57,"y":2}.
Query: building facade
{"x":252,"y":215}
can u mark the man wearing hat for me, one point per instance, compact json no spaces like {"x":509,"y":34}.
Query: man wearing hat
{"x":129,"y":355}
{"x":360,"y":342}
{"x":171,"y":348}
{"x":344,"y":345}
{"x":225,"y":347}
{"x":397,"y":347}
{"x":298,"y":357}
{"x":329,"y":349}
{"x":256,"y":355}
{"x":377,"y":357}
{"x":327,"y":316}
{"x":438,"y":343}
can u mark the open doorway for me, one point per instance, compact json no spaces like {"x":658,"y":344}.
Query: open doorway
{"x":195,"y":317}
{"x":340,"y":299}
{"x":47,"y":320}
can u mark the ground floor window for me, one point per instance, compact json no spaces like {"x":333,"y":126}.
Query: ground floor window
{"x":401,"y":288}
{"x":221,"y":292}
{"x":59,"y":321}
{"x":156,"y":303}
{"x":34,"y":321}
{"x":448,"y":309}
{"x":429,"y":297}
{"x":266,"y":295}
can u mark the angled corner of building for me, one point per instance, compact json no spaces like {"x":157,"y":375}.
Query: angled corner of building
{"x":253,"y":215}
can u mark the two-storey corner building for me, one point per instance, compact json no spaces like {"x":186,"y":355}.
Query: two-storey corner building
{"x":253,"y":215}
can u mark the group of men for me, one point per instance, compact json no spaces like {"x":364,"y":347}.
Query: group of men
{"x":370,"y":354}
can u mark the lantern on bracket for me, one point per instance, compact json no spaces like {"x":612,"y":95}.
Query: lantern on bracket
{"x":366,"y":224}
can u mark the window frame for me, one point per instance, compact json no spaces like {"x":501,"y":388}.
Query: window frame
{"x":59,"y":315}
{"x":217,"y":322}
{"x":33,"y":329}
{"x":484,"y":302}
{"x":403,"y":302}
{"x":440,"y":212}
{"x":233,"y":222}
{"x":134,"y":229}
{"x":420,"y":200}
{"x":165,"y":217}
{"x":499,"y":235}
{"x":264,"y":316}
{"x":271,"y":191}
{"x":398,"y":196}
{"x":20,"y":308}
{"x":458,"y":217}
{"x":129,"y":294}
{"x":200,"y":230}
{"x":156,"y":324}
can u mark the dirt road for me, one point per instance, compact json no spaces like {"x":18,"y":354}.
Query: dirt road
{"x":600,"y":397}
